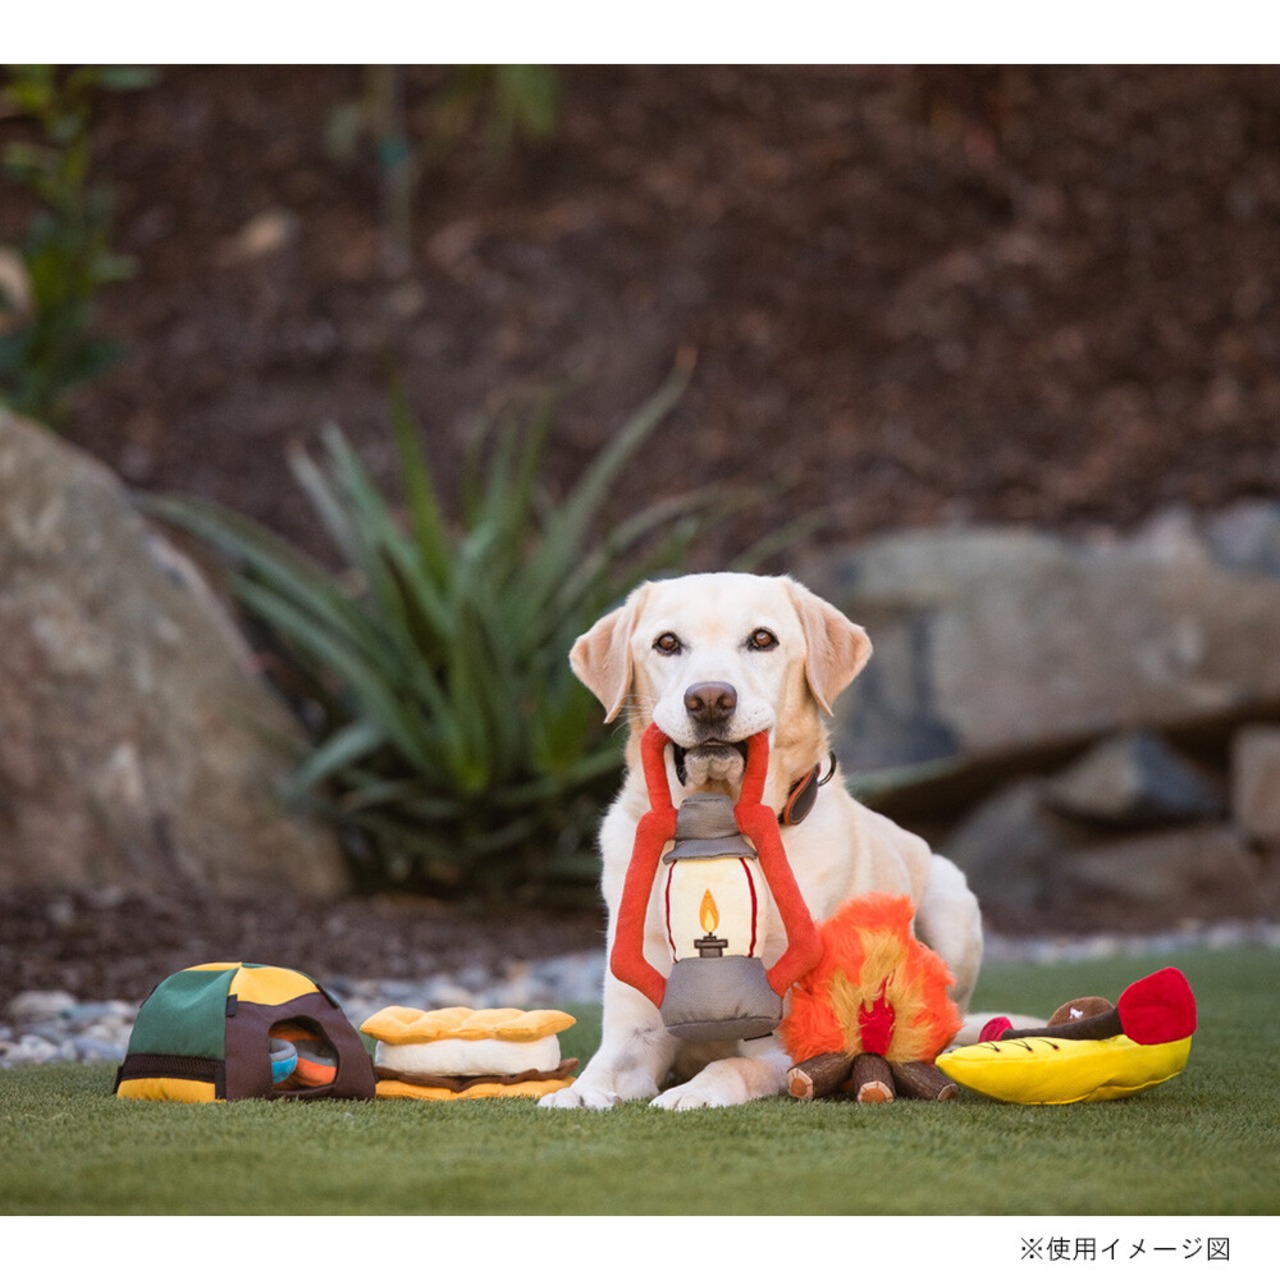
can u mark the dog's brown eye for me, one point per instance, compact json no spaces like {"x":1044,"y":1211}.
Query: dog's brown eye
{"x":761,"y":639}
{"x":668,"y":642}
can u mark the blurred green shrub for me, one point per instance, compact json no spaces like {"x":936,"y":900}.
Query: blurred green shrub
{"x":455,"y":740}
{"x":519,"y":101}
{"x":48,"y":345}
{"x":514,"y":103}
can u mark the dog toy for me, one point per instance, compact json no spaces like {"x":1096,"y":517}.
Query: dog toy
{"x":314,"y":1062}
{"x":226,"y":1031}
{"x":284,"y":1061}
{"x":870,"y":1017}
{"x":450,"y":1054}
{"x":719,"y":860}
{"x":1089,"y":1051}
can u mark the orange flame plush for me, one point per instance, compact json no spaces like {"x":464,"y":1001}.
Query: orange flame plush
{"x":872,"y":1015}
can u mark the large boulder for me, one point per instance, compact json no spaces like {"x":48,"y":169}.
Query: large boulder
{"x":1246,"y":536}
{"x":904,"y":588}
{"x":1159,"y":880}
{"x":1255,"y":778}
{"x":1036,"y":863}
{"x":1008,"y":847}
{"x":134,"y":747}
{"x":1000,"y":642}
{"x":1063,"y":712}
{"x":1136,"y":780}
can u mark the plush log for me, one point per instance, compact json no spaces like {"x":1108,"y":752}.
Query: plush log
{"x":871,"y":1080}
{"x":819,"y":1076}
{"x":922,"y":1080}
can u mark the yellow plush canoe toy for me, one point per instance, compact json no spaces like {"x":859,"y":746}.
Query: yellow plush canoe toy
{"x":1090,"y":1051}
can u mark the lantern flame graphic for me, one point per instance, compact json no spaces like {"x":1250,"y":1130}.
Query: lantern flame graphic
{"x":708,"y":914}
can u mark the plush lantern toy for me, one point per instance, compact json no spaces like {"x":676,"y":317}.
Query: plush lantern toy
{"x":720,"y":864}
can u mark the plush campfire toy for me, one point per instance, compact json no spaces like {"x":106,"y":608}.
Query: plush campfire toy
{"x":1089,"y":1051}
{"x":721,"y":863}
{"x":869,"y":1019}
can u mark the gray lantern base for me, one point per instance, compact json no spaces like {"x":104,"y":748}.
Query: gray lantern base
{"x":720,"y":998}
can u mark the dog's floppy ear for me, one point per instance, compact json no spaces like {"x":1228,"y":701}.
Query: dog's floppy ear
{"x":836,"y":649}
{"x":601,"y":659}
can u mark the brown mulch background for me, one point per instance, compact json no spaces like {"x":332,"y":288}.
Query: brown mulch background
{"x":107,"y":946}
{"x":917,"y":296}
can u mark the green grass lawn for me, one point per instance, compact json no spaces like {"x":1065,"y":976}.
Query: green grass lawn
{"x":1203,"y":1143}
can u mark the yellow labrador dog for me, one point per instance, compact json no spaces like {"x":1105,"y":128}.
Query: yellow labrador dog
{"x":713,"y":659}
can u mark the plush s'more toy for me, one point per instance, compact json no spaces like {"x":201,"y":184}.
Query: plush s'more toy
{"x":447,"y":1055}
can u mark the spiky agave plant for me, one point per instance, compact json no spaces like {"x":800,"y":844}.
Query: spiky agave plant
{"x":453,"y":738}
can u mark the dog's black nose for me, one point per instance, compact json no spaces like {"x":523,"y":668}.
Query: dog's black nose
{"x":711,"y":702}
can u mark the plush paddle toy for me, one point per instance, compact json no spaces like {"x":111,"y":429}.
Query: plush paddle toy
{"x":720,"y":864}
{"x":869,"y":1019}
{"x":1089,"y":1051}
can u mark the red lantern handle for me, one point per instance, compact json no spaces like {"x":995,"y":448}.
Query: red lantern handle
{"x":757,"y":822}
{"x":626,"y":961}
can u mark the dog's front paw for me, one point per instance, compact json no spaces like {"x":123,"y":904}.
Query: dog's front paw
{"x":699,"y":1093}
{"x":579,"y":1095}
{"x":729,"y":1081}
{"x":601,"y":1090}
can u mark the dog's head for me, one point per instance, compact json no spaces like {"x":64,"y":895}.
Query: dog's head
{"x":713,"y":659}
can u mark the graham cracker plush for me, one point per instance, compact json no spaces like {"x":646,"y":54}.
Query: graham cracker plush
{"x":398,"y":1025}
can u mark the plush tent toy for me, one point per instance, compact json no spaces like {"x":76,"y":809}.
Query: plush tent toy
{"x":1090,"y":1051}
{"x":868,"y":1020}
{"x":722,"y":864}
{"x":228,"y":1031}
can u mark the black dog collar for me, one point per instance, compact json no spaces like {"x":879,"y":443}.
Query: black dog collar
{"x":803,"y":794}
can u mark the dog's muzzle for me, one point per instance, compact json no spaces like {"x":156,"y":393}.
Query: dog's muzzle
{"x":711,"y":749}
